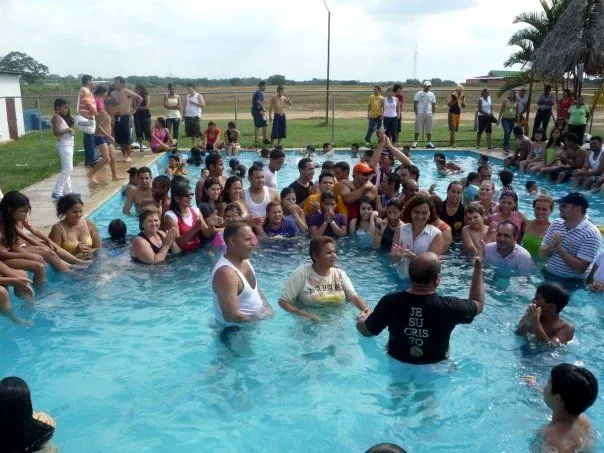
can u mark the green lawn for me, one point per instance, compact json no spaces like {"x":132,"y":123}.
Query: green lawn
{"x":30,"y":159}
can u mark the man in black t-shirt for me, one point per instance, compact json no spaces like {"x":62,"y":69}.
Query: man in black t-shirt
{"x":420,"y":321}
{"x":303,"y":186}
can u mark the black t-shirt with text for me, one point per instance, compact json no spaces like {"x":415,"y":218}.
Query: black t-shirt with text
{"x":419,"y":325}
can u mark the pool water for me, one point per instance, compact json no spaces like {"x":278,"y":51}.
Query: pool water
{"x":126,"y":357}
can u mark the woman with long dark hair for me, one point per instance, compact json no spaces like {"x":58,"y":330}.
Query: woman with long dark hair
{"x":62,"y":128}
{"x":452,"y":211}
{"x":22,"y":429}
{"x":233,"y":193}
{"x":142,"y":116}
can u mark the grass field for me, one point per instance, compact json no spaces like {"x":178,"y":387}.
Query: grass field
{"x":30,"y":159}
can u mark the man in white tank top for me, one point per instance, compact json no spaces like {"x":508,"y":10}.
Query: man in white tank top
{"x":257,"y":196}
{"x":593,"y":166}
{"x":192,"y":114}
{"x":236,"y":295}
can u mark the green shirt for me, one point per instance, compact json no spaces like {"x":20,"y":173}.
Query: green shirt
{"x":578,"y":115}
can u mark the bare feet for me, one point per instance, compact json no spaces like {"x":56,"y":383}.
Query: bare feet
{"x":116,"y":178}
{"x":127,"y":159}
{"x":93,"y":179}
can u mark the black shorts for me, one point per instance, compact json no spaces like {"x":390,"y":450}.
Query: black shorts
{"x":123,"y":136}
{"x":192,"y":126}
{"x":484,"y":124}
{"x":259,"y":119}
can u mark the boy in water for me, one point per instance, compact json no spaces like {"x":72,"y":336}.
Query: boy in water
{"x":542,"y":317}
{"x":442,"y":166}
{"x":354,"y":150}
{"x":532,"y":188}
{"x":475,"y":232}
{"x":506,"y":177}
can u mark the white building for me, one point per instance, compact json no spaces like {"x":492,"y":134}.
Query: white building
{"x":11,"y":109}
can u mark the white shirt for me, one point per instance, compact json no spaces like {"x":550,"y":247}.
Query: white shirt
{"x":424,"y":102}
{"x":257,"y":209}
{"x":599,"y":275}
{"x":188,"y":221}
{"x":190,"y":109}
{"x":486,"y":105}
{"x":421,"y":244}
{"x":270,"y":178}
{"x":390,"y":106}
{"x":517,"y":262}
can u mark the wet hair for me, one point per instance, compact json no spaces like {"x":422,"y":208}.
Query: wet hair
{"x":454,"y":183}
{"x":440,"y":155}
{"x":146,"y":212}
{"x":286,"y":191}
{"x":277,"y":153}
{"x":179,"y":188}
{"x":554,"y":293}
{"x":302,"y":163}
{"x":328,"y":196}
{"x":86,"y":78}
{"x":142,"y":91}
{"x":317,"y":244}
{"x":483,"y":158}
{"x":12,"y":201}
{"x":386,"y":448}
{"x":417,"y":200}
{"x":344,"y":166}
{"x":233,"y":207}
{"x":394,"y":178}
{"x":232,"y":229}
{"x":265,"y":153}
{"x":213,"y":160}
{"x":424,"y":274}
{"x":509,"y":222}
{"x":310,"y":148}
{"x":326,"y":174}
{"x":256,"y":166}
{"x":175,"y":157}
{"x":100,"y":90}
{"x":66,"y":202}
{"x":576,"y":386}
{"x":413,"y":171}
{"x":529,"y":184}
{"x":270,"y":206}
{"x":483,"y":167}
{"x":546,"y":198}
{"x":506,"y":177}
{"x":474,"y":207}
{"x":195,"y":158}
{"x":328,"y":165}
{"x":162,"y":181}
{"x":178,"y":179}
{"x":240,"y":170}
{"x":232,"y":124}
{"x":437,"y":202}
{"x":209,"y":182}
{"x":132,"y":171}
{"x":19,"y":431}
{"x":143,"y":170}
{"x":60,"y":102}
{"x":355,"y":146}
{"x":227,"y":187}
{"x":472,"y":176}
{"x":518,"y":130}
{"x":161,"y":120}
{"x":509,"y":193}
{"x":117,"y":229}
{"x":395,"y":202}
{"x":367,"y":200}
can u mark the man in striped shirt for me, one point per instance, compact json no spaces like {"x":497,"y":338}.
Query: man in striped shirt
{"x":572,"y":241}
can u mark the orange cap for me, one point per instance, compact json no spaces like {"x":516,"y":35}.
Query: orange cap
{"x":363,"y":167}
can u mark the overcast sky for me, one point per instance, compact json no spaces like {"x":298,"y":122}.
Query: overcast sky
{"x":370,"y":39}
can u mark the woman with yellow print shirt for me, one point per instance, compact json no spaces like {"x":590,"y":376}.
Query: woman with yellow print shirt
{"x":319,"y":284}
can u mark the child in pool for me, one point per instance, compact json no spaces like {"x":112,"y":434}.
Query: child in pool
{"x":506,"y":177}
{"x":354,"y":150}
{"x":175,"y":166}
{"x":531,"y":187}
{"x":444,"y":167}
{"x":364,"y":225}
{"x":470,"y":192}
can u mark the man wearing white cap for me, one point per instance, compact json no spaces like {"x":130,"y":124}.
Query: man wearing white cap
{"x":424,"y":106}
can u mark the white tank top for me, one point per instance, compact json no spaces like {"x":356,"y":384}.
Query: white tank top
{"x":172,"y":102}
{"x":595,"y":162}
{"x":190,"y":109}
{"x":390,"y":107}
{"x":257,"y":209}
{"x":64,"y":140}
{"x":249,"y":302}
{"x":421,"y":244}
{"x":270,"y":178}
{"x":486,"y":106}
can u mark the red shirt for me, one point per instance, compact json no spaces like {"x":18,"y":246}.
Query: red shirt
{"x":212,"y":135}
{"x":563,"y":106}
{"x":400,"y":98}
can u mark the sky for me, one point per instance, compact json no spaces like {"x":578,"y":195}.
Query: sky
{"x":371,"y":40}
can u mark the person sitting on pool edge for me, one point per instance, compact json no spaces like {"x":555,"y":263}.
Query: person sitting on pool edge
{"x":542,"y":316}
{"x":419,"y":320}
{"x":319,"y":284}
{"x":237,"y":297}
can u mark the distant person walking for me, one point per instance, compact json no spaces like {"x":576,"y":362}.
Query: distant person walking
{"x":277,"y":106}
{"x":457,"y":101}
{"x":172,"y":114}
{"x":258,"y":113}
{"x":88,"y":109}
{"x":192,"y":114}
{"x":124,"y":99}
{"x":424,"y":106}
{"x":545,"y":105}
{"x":375,"y":112}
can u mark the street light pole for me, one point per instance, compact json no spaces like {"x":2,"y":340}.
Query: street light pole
{"x":328,"y":52}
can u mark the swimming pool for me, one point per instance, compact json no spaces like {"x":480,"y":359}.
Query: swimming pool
{"x":127,"y":359}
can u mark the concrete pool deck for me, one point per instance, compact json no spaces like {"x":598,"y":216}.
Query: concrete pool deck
{"x":43,"y":213}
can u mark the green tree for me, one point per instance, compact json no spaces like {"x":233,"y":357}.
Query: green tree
{"x":276,"y":79}
{"x":18,"y":61}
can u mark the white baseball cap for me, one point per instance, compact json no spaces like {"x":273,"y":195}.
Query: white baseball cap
{"x":427,"y":83}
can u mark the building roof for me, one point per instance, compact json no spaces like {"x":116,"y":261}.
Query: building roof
{"x":498,"y":73}
{"x":4,"y":71}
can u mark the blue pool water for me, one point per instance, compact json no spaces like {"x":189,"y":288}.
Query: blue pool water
{"x":126,"y":357}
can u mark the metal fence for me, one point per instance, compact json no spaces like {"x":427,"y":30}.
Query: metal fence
{"x":224,"y":105}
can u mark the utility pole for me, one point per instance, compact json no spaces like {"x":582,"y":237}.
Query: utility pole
{"x":414,"y":75}
{"x":328,"y":49}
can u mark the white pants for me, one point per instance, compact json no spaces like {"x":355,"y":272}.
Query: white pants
{"x":63,"y":185}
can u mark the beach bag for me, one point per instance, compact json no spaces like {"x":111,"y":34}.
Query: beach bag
{"x":84,"y":124}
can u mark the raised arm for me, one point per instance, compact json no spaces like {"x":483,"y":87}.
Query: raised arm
{"x":477,"y":285}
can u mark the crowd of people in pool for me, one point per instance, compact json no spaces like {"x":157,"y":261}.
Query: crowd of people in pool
{"x":381,"y":205}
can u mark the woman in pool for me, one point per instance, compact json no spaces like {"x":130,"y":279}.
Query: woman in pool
{"x":275,"y":224}
{"x":210,"y":200}
{"x":363,"y":227}
{"x":233,"y":193}
{"x":334,"y":286}
{"x":535,"y":230}
{"x":74,"y":233}
{"x":445,"y":229}
{"x":416,"y":235}
{"x":552,"y":148}
{"x":22,"y":429}
{"x":452,"y":211}
{"x":151,"y":245}
{"x":508,"y":210}
{"x":537,"y":154}
{"x":160,"y":137}
{"x":385,"y":228}
{"x":19,"y":245}
{"x":292,"y":210}
{"x":486,"y":191}
{"x":187,"y":222}
{"x":327,"y":222}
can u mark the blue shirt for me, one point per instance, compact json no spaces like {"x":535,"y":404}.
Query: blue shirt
{"x":258,"y":101}
{"x":287,"y":229}
{"x":470,"y":194}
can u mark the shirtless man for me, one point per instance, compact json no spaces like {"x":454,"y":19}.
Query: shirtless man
{"x":125,"y":99}
{"x":542,"y":316}
{"x":352,"y":191}
{"x":215,"y":168}
{"x":475,"y":231}
{"x":160,"y":189}
{"x":104,"y":141}
{"x":277,"y":106}
{"x":143,"y":192}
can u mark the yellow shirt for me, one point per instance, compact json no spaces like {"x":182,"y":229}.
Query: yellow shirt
{"x":375,"y":105}
{"x":316,"y":198}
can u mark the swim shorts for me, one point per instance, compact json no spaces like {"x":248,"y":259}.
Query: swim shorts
{"x":123,"y":134}
{"x":485,"y":124}
{"x":260,"y":119}
{"x":192,"y":126}
{"x":100,"y":140}
{"x":279,"y":127}
{"x":454,"y":121}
